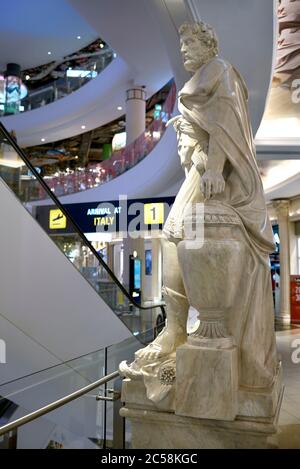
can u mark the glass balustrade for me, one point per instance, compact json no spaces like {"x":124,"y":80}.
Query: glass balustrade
{"x":93,"y":175}
{"x":55,"y":80}
{"x":85,"y":422}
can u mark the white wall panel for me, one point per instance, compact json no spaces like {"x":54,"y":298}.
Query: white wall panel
{"x":45,"y":297}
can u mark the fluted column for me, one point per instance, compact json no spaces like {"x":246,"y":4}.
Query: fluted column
{"x":282,"y":212}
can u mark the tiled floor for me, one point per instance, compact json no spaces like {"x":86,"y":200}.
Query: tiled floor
{"x":289,"y":419}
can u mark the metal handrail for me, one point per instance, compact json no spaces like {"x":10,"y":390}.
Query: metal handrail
{"x":77,"y":228}
{"x":56,"y":404}
{"x":68,"y":363}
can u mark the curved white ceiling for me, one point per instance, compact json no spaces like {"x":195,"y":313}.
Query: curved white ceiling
{"x":161,"y":169}
{"x":131,"y":29}
{"x":31,"y":28}
{"x":247,"y":36}
{"x":286,"y":189}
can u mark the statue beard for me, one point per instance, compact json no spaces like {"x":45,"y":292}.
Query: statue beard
{"x":205,"y":56}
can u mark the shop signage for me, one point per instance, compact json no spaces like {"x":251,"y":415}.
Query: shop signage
{"x":154,"y":213}
{"x":57,"y":220}
{"x":114,"y":216}
{"x":295,"y":299}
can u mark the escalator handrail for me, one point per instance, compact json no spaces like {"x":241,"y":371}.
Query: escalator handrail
{"x":56,"y":201}
{"x":56,"y":404}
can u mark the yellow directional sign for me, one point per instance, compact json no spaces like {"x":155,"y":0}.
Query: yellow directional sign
{"x":57,"y":220}
{"x":154,"y":214}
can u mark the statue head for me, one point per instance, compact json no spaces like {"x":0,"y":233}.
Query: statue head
{"x":198,"y":44}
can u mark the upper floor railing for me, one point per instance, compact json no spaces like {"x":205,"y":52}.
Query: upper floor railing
{"x":57,"y":79}
{"x":120,"y":161}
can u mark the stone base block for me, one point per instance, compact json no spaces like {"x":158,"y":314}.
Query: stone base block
{"x":261,"y":403}
{"x":206,"y":382}
{"x":134,"y":394}
{"x":164,"y":430}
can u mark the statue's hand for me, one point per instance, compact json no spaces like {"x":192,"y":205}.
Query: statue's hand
{"x":212,"y":183}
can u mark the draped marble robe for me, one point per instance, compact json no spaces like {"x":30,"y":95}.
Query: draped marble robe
{"x":214,"y":100}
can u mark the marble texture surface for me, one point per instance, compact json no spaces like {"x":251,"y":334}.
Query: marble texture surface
{"x":261,"y":403}
{"x":161,"y":430}
{"x":218,"y":387}
{"x":289,"y":418}
{"x":206,"y":382}
{"x":134,"y":394}
{"x":156,"y":425}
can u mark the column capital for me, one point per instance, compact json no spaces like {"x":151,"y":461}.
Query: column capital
{"x":282,"y":207}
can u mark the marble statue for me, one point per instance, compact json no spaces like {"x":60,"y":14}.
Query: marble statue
{"x":231,"y":357}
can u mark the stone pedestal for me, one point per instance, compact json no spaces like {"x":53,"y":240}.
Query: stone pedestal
{"x":158,"y":426}
{"x":207,"y":382}
{"x":162,"y":430}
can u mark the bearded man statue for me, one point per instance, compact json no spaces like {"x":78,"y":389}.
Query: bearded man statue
{"x":225,"y":275}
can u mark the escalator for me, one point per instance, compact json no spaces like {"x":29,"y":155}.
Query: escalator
{"x":84,"y":420}
{"x":136,"y":317}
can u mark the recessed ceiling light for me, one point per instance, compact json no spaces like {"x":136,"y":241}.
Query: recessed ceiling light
{"x":83,"y":127}
{"x":49,"y":52}
{"x":101,"y":45}
{"x":43,"y":139}
{"x":119,"y":108}
{"x":27,"y":77}
{"x":78,"y":37}
{"x":114,"y":55}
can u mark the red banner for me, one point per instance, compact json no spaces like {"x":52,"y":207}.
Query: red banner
{"x":295,"y":298}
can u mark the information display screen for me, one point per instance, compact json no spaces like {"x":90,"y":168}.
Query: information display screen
{"x":2,"y":90}
{"x":137,"y":274}
{"x":148,"y":262}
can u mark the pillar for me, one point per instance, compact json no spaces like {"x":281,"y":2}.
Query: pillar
{"x":135,"y":113}
{"x":282,"y":212}
{"x":293,"y":249}
{"x":110,"y":256}
{"x":129,"y":246}
{"x":156,"y":269}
